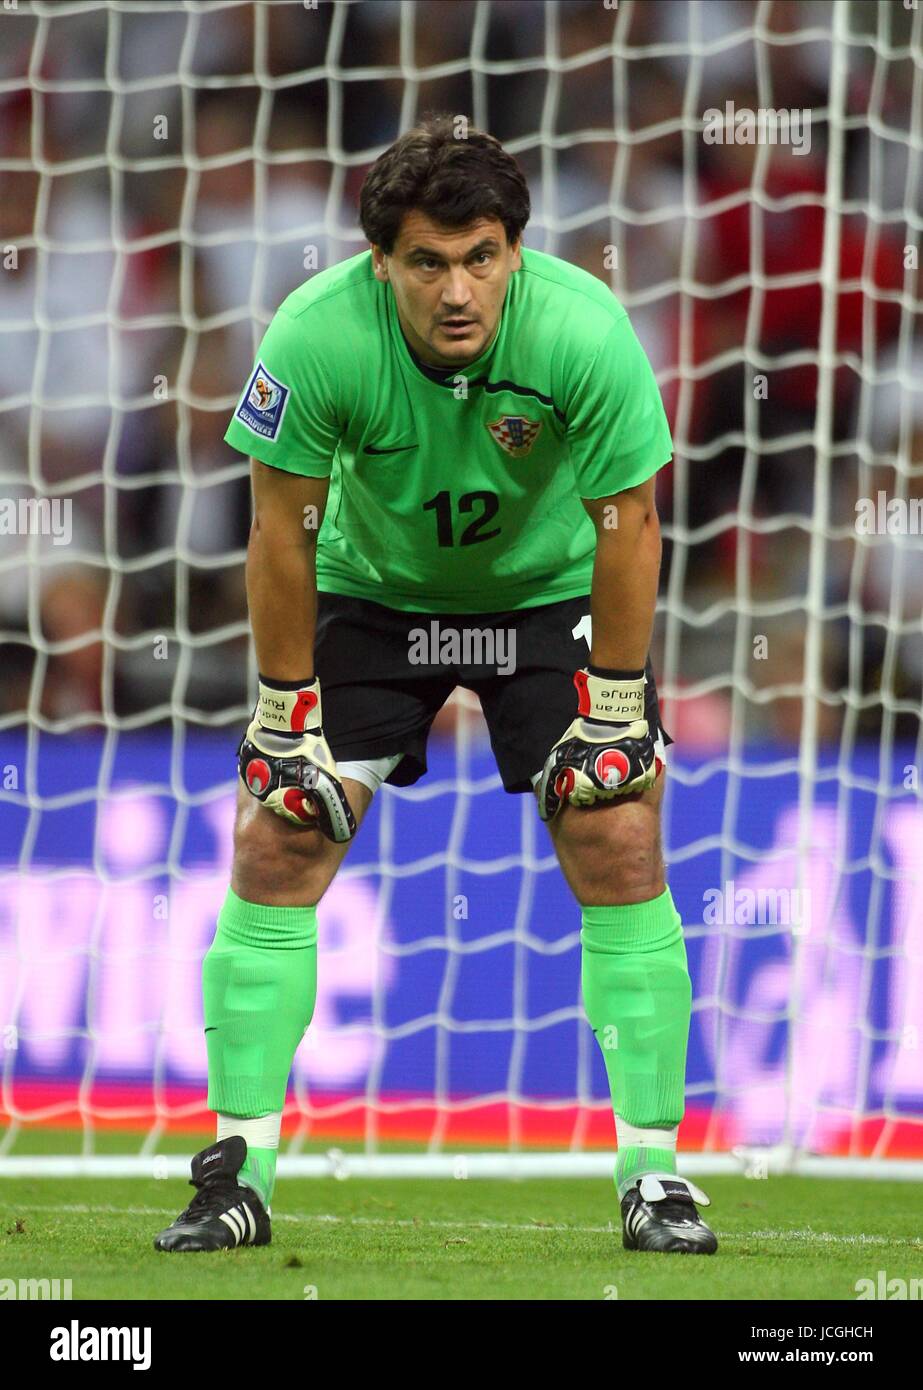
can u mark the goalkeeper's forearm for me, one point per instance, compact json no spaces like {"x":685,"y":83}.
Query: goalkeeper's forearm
{"x":281,"y":583}
{"x":282,"y":599}
{"x":625,"y":577}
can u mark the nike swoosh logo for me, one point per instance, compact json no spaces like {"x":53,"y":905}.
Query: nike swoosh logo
{"x":397,"y":449}
{"x":213,"y":1029}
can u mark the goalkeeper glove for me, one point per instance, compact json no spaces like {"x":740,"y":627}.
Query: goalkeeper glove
{"x":607,"y":752}
{"x":285,"y":761}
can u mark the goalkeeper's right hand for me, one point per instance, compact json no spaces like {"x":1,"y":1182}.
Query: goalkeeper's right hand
{"x":285,"y":762}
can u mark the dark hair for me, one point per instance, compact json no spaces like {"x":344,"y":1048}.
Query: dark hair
{"x":454,"y":180}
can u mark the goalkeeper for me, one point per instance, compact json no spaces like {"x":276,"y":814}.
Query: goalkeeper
{"x":449,"y":427}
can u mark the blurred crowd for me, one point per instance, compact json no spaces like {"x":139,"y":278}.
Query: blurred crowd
{"x":148,"y":234}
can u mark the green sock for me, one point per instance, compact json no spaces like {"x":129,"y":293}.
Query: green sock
{"x":259,"y":980}
{"x":634,"y":1159}
{"x":259,"y":1170}
{"x":638,"y":999}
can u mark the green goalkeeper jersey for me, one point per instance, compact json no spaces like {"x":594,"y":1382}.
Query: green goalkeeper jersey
{"x":456,"y":492}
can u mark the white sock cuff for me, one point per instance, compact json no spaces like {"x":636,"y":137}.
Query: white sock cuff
{"x":629,"y":1136}
{"x":260,"y":1134}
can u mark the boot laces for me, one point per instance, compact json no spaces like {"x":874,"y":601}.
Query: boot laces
{"x":208,"y":1197}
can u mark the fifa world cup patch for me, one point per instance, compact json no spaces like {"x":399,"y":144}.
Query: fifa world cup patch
{"x":263,"y":403}
{"x":515,"y":434}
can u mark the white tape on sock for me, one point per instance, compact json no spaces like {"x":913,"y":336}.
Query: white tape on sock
{"x":259,"y":1134}
{"x":631,"y":1136}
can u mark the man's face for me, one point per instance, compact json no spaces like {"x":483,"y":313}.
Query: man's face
{"x":440,"y":276}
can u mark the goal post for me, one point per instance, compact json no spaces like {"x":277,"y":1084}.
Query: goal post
{"x":750,"y":185}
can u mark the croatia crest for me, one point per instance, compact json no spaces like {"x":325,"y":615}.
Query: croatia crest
{"x":515,"y":434}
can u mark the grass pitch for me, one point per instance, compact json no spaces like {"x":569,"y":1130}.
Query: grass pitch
{"x":780,"y":1238}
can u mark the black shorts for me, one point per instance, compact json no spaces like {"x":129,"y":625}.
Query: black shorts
{"x":382,"y":689}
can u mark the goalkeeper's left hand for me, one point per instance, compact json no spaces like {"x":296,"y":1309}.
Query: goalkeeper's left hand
{"x":607,"y":752}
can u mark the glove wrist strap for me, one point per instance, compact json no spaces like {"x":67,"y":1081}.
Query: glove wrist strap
{"x":289,"y":707}
{"x":610,"y":700}
{"x":611,"y":674}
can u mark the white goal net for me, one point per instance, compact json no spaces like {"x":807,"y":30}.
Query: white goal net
{"x":748,"y":178}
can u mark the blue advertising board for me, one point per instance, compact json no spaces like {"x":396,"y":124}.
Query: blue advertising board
{"x":449,"y":958}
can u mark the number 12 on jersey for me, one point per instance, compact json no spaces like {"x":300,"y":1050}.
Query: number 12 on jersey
{"x":441,"y":504}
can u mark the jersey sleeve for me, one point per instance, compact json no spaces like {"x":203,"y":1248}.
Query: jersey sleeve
{"x":617,"y":426}
{"x":286,"y":415}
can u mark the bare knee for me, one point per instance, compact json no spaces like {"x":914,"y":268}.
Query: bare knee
{"x":611,"y":854}
{"x":278,"y":863}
